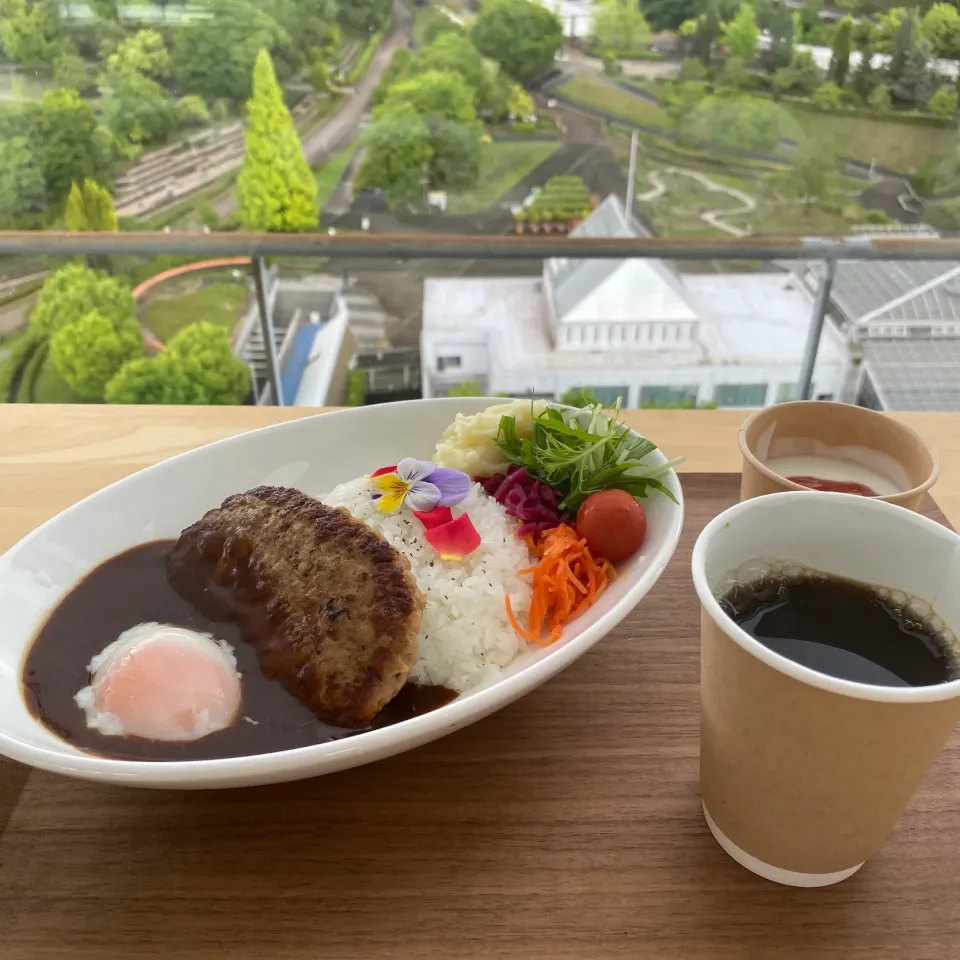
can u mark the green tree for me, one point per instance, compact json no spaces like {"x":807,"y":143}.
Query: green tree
{"x":74,"y":291}
{"x":137,"y":109}
{"x":669,"y":14}
{"x":454,"y":53}
{"x":811,"y":176}
{"x":69,"y":145}
{"x":445,"y":104}
{"x":432,"y":24}
{"x":320,"y":77}
{"x":276,"y":188}
{"x":810,"y":17}
{"x":192,"y":111}
{"x":156,"y":380}
{"x":943,"y":103}
{"x":520,"y":35}
{"x":620,"y":24}
{"x":865,"y":77}
{"x":681,"y":100}
{"x":806,"y":74}
{"x":782,"y":82}
{"x":941,"y":26}
{"x":740,"y":35}
{"x":205,"y":356}
{"x":781,"y":38}
{"x":828,"y":97}
{"x":363,"y":15}
{"x":398,"y":67}
{"x":888,"y":26}
{"x":734,"y":75}
{"x":145,"y":52}
{"x":519,"y":103}
{"x":709,"y":29}
{"x":916,"y":81}
{"x":739,"y":124}
{"x":89,"y":352}
{"x":23,"y":193}
{"x":693,"y":71}
{"x":30,"y":32}
{"x":69,"y":70}
{"x":468,"y":388}
{"x":880,"y":98}
{"x":399,"y":155}
{"x":580,"y":397}
{"x":215,"y":57}
{"x":90,"y":209}
{"x":840,"y":62}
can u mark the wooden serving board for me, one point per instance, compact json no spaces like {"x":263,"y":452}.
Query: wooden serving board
{"x":566,"y":826}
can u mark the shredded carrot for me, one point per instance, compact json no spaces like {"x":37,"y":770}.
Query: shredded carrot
{"x":566,"y":581}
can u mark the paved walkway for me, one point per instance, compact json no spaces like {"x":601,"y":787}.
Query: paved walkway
{"x":343,"y":126}
{"x":715,"y":218}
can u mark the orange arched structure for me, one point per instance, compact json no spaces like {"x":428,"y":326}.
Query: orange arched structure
{"x":154,"y":281}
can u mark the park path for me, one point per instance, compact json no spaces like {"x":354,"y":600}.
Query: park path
{"x":715,"y":218}
{"x":343,"y":126}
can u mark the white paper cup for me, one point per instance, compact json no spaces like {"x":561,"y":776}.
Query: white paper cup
{"x":803,"y":775}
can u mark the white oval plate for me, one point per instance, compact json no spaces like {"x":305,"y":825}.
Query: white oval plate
{"x":314,"y":455}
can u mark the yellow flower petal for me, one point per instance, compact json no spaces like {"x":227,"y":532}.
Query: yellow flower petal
{"x":393,"y":488}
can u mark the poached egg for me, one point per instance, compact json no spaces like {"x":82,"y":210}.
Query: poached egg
{"x":160,"y":682}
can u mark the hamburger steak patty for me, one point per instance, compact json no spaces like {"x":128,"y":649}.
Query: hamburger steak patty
{"x":332,"y":609}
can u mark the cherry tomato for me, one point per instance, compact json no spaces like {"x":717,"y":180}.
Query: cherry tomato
{"x":613,"y":524}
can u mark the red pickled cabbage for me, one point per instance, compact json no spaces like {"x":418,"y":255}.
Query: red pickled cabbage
{"x":526,"y":499}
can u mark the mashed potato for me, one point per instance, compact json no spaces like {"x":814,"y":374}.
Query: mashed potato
{"x":470,"y":443}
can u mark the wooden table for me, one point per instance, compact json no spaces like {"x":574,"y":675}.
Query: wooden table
{"x":52,"y":456}
{"x":566,"y":826}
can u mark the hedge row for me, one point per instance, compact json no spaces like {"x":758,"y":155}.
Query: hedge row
{"x":357,"y":388}
{"x":913,"y":118}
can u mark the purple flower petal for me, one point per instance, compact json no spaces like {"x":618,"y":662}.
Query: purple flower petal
{"x":413,"y":470}
{"x":453,"y":485}
{"x":422,"y":496}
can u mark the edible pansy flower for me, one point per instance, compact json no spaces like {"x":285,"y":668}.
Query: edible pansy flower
{"x":454,"y":540}
{"x":434,"y":518}
{"x":420,"y":485}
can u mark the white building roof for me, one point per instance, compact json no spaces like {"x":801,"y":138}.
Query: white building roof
{"x":915,"y":374}
{"x":744,"y":319}
{"x":754,"y":318}
{"x":593,"y":291}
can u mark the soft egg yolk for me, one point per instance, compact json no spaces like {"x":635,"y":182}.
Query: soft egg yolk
{"x":160,"y":682}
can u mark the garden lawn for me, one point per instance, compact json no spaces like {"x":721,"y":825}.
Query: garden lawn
{"x":50,"y":387}
{"x":502,"y":166}
{"x":329,"y":175}
{"x":897,"y":146}
{"x":612,"y":100}
{"x":217,"y":303}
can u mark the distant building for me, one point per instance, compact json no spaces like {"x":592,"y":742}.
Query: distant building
{"x":632,"y":328}
{"x":575,"y":15}
{"x":901,"y":325}
{"x":314,"y":341}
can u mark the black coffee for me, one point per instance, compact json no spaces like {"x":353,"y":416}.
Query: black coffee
{"x":845,"y":629}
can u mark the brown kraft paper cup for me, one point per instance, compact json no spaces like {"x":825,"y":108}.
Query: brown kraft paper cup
{"x":834,"y":425}
{"x":803,"y":776}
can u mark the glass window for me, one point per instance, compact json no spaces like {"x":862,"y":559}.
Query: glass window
{"x":740,"y":394}
{"x":448,"y":363}
{"x":608,"y":395}
{"x":786,"y":392}
{"x":668,"y":396}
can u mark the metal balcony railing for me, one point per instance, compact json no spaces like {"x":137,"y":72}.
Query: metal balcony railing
{"x":259,"y":247}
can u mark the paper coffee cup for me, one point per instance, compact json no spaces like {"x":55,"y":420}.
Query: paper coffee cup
{"x":839,"y":430}
{"x":803,"y":775}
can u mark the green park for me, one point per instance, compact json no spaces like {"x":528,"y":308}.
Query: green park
{"x":288,"y":115}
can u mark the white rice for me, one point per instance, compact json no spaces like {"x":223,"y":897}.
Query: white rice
{"x":465,"y":638}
